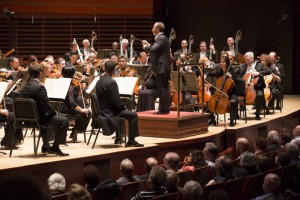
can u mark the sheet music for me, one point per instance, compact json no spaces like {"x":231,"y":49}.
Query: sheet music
{"x":126,"y":85}
{"x":92,"y":85}
{"x":57,"y":88}
{"x":3,"y":86}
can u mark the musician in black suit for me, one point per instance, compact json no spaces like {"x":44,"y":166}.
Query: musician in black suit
{"x":48,"y":117}
{"x":73,"y":47}
{"x":112,"y":108}
{"x":206,"y":53}
{"x":12,"y":68}
{"x":256,"y":69}
{"x":231,"y":46}
{"x":160,"y":60}
{"x":184,"y":48}
{"x":126,"y":49}
{"x":86,"y":50}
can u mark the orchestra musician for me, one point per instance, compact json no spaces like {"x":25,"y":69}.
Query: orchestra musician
{"x":122,"y":70}
{"x":48,"y":117}
{"x":71,"y":105}
{"x":204,"y":52}
{"x":126,"y":49}
{"x":231,"y":46}
{"x":115,"y":46}
{"x":73,"y":48}
{"x":112,"y":108}
{"x":281,"y":71}
{"x":184,"y":49}
{"x":256,"y":70}
{"x":142,"y":59}
{"x":72,"y":59}
{"x":46,"y":70}
{"x":86,"y":50}
{"x":160,"y":61}
{"x":60,"y":63}
{"x":114,"y":58}
{"x":12,"y":69}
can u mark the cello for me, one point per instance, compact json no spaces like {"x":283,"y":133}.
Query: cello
{"x":249,"y":84}
{"x":219,"y":102}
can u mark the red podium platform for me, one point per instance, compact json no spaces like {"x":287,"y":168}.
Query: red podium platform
{"x":170,"y":126}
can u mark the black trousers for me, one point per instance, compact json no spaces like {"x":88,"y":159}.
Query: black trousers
{"x":132,"y":118}
{"x":162,"y":82}
{"x":10,"y":130}
{"x":260,"y":100}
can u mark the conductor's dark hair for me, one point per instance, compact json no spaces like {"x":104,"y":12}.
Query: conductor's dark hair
{"x":34,"y":70}
{"x":68,"y":72}
{"x":110,"y":66}
{"x":11,"y":59}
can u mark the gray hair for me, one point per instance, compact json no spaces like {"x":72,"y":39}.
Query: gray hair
{"x":249,"y":54}
{"x":192,"y":190}
{"x":292,"y":150}
{"x":57,"y":182}
{"x":248,"y":159}
{"x":273,"y":136}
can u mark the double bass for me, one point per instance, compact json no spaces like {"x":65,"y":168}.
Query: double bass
{"x":219,"y":102}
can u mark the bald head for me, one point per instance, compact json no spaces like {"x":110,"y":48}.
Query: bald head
{"x":296,"y":131}
{"x":273,"y":136}
{"x":126,"y":167}
{"x":242,"y":145}
{"x":171,"y":161}
{"x":150,"y":162}
{"x":271,"y":183}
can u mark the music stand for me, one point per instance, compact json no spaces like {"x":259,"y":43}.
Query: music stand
{"x":4,"y":62}
{"x":192,"y":58}
{"x":189,"y":82}
{"x":141,"y":69}
{"x":105,"y":53}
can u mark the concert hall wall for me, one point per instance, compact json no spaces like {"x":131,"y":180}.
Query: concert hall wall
{"x":258,"y":20}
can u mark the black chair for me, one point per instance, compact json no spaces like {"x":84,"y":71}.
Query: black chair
{"x":26,"y":116}
{"x":3,"y":123}
{"x":241,"y":92}
{"x":96,"y":120}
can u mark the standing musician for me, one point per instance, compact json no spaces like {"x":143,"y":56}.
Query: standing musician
{"x":256,"y":70}
{"x":160,"y":60}
{"x":184,"y":45}
{"x":71,"y":104}
{"x":112,"y":108}
{"x":204,"y":52}
{"x":73,"y":48}
{"x":230,"y":46}
{"x":86,"y":50}
{"x":126,"y":49}
{"x":274,"y":82}
{"x":48,"y":117}
{"x":220,"y":72}
{"x":280,"y":70}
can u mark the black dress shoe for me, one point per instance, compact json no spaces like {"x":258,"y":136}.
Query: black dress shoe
{"x":118,"y":141}
{"x":212,"y":122}
{"x":257,"y":117}
{"x":57,"y":151}
{"x":278,"y":108}
{"x":134,"y":144}
{"x":231,"y":124}
{"x":161,"y":112}
{"x":45,"y":149}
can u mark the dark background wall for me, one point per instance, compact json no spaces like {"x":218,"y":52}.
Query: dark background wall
{"x":258,"y":21}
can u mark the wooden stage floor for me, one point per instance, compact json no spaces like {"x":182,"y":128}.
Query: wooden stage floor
{"x":107,"y":156}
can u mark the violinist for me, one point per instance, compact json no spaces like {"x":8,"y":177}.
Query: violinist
{"x":281,"y":71}
{"x":114,"y":58}
{"x":73,"y":47}
{"x":123,"y":70}
{"x":184,"y":45}
{"x":60,"y":64}
{"x":274,"y":83}
{"x":220,"y":72}
{"x":256,"y":70}
{"x":72,"y":59}
{"x":89,"y":64}
{"x":46,"y":69}
{"x":71,"y":104}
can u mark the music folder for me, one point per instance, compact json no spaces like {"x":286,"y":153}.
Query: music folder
{"x":126,"y":85}
{"x":57,"y":89}
{"x":3,"y":87}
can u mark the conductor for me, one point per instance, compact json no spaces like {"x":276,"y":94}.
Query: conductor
{"x":160,"y":60}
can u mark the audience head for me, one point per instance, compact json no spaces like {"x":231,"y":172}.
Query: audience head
{"x":296,"y":131}
{"x":172,"y":181}
{"x":68,"y":72}
{"x":286,"y":138}
{"x":171,"y":161}
{"x":262,"y":162}
{"x":248,"y":160}
{"x":21,"y":186}
{"x":157,"y":177}
{"x":218,"y":194}
{"x":90,"y":175}
{"x":210,"y":151}
{"x":292,"y":150}
{"x":150,"y":162}
{"x":282,"y":159}
{"x":242,"y":145}
{"x":126,"y":167}
{"x":260,"y":145}
{"x":192,"y":190}
{"x":223,"y":166}
{"x":273,"y":137}
{"x":271,"y":183}
{"x":77,"y":192}
{"x":197,"y":159}
{"x":57,"y":182}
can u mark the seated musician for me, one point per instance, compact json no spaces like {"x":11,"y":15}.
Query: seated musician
{"x":112,"y":108}
{"x":147,"y":92}
{"x":280,"y":70}
{"x":115,"y":46}
{"x":72,"y":59}
{"x":73,"y":48}
{"x":48,"y":117}
{"x":142,"y":59}
{"x":183,"y":49}
{"x":223,"y":70}
{"x":275,"y":81}
{"x":126,"y":49}
{"x":231,"y":46}
{"x":46,"y":69}
{"x":86,"y":50}
{"x":114,"y":57}
{"x":256,"y":70}
{"x":71,"y":105}
{"x":8,"y":116}
{"x":12,"y":69}
{"x":123,"y":70}
{"x":205,"y":53}
{"x":60,"y":63}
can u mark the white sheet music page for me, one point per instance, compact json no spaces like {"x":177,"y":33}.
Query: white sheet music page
{"x":126,"y":84}
{"x":3,"y":86}
{"x":92,"y":85}
{"x":57,"y":88}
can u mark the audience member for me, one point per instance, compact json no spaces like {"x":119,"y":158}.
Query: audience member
{"x":274,"y":141}
{"x":210,"y":153}
{"x":262,"y":162}
{"x":292,"y":150}
{"x":282,"y":159}
{"x":192,"y":190}
{"x":223,"y":166}
{"x":271,"y":187}
{"x":126,"y":169}
{"x":56,"y":184}
{"x":150,"y":162}
{"x":248,"y":165}
{"x":286,"y":138}
{"x":171,"y":161}
{"x":172,"y":182}
{"x":194,"y":161}
{"x":241,"y":146}
{"x":218,"y":194}
{"x":156,"y":181}
{"x":260,"y":145}
{"x":296,"y":135}
{"x":77,"y":192}
{"x":90,"y":175}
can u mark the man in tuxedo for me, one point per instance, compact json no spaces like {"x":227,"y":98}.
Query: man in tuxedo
{"x":112,"y":108}
{"x":73,"y":47}
{"x":12,"y":68}
{"x":205,"y":53}
{"x":184,"y":48}
{"x":86,"y":50}
{"x":256,"y":70}
{"x":126,"y":49}
{"x":48,"y":117}
{"x":160,"y":60}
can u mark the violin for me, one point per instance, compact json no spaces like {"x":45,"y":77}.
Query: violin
{"x":127,"y":72}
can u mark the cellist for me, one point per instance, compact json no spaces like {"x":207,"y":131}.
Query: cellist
{"x":256,"y":70}
{"x":221,"y":72}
